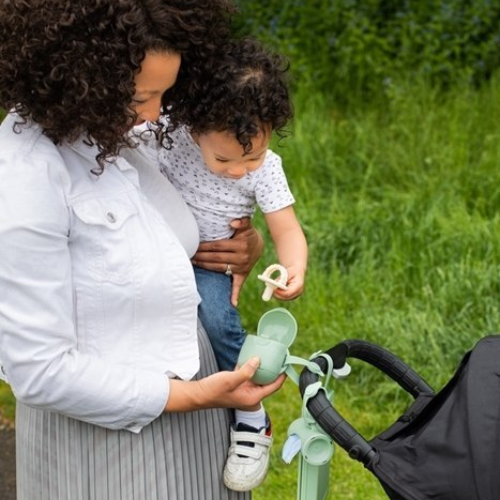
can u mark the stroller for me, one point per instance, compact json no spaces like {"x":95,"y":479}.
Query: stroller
{"x":446,"y":446}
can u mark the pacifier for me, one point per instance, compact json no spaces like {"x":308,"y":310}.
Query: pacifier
{"x":271,"y":282}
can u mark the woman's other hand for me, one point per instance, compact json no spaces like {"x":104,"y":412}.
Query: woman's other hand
{"x":222,"y":390}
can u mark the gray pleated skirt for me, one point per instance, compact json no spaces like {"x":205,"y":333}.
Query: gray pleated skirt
{"x":177,"y":457}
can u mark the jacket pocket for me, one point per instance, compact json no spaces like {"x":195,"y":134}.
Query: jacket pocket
{"x":103,"y":235}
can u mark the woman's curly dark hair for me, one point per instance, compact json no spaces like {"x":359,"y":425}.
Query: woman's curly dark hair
{"x":69,"y":65}
{"x":243,"y":91}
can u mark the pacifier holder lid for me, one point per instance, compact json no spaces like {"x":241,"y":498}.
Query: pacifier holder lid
{"x":278,"y":325}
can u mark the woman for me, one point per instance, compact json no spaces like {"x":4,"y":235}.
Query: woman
{"x":98,"y":333}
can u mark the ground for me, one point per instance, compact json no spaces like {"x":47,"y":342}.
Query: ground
{"x":7,"y":460}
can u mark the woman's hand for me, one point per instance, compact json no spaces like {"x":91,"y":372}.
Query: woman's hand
{"x":237,"y":254}
{"x":221,"y":390}
{"x":241,"y":251}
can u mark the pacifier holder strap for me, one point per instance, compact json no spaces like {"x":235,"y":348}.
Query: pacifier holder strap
{"x":290,"y":371}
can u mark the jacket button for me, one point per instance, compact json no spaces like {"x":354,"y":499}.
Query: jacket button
{"x":111,"y":217}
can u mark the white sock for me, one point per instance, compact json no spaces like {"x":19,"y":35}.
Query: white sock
{"x":256,"y":419}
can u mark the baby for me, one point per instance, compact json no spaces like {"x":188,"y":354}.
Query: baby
{"x":219,"y":160}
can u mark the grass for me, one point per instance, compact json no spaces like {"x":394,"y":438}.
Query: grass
{"x":7,"y":402}
{"x":399,"y":201}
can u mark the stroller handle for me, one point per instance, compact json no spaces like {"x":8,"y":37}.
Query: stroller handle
{"x":382,"y":359}
{"x":329,"y":419}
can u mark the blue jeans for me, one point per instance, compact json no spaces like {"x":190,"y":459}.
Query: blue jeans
{"x":219,"y":317}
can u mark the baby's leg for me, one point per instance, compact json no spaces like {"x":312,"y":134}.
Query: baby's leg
{"x":251,"y":436}
{"x":219,"y":317}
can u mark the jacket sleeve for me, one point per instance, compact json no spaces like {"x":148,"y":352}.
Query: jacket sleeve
{"x":38,"y":343}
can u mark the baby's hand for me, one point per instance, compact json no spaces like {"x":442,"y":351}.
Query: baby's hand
{"x":295,"y":284}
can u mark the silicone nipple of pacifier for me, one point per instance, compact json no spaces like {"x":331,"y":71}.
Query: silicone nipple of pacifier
{"x":271,"y":283}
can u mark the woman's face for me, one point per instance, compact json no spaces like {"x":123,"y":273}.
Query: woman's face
{"x":157,"y":74}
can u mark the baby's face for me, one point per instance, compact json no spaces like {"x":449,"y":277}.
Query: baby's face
{"x":224,"y":155}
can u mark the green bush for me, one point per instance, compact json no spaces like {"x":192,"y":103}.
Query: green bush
{"x":346,"y":45}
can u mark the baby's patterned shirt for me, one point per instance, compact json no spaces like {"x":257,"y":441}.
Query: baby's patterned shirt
{"x":216,"y":200}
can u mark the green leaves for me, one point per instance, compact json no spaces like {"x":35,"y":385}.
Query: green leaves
{"x":343,"y":46}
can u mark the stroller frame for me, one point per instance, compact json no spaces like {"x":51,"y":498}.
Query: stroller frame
{"x":446,"y":446}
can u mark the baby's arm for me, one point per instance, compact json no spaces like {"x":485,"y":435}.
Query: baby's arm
{"x":291,"y":247}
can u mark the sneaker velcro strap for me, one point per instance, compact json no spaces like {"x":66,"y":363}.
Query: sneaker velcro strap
{"x":246,"y":451}
{"x":252,"y":437}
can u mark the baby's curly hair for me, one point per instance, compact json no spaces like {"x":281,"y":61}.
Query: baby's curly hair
{"x":69,"y":65}
{"x":242,"y":91}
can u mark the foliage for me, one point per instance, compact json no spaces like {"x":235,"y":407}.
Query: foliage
{"x":7,"y":403}
{"x":345,"y":47}
{"x":400,"y":203}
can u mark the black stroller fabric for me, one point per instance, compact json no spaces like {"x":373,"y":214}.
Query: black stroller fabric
{"x":446,"y":446}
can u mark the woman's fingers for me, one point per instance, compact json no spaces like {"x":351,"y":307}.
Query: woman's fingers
{"x":240,"y":252}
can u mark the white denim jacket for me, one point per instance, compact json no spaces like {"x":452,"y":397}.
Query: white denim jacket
{"x":98,"y":302}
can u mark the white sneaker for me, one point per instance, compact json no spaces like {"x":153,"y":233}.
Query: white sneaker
{"x":248,"y":457}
